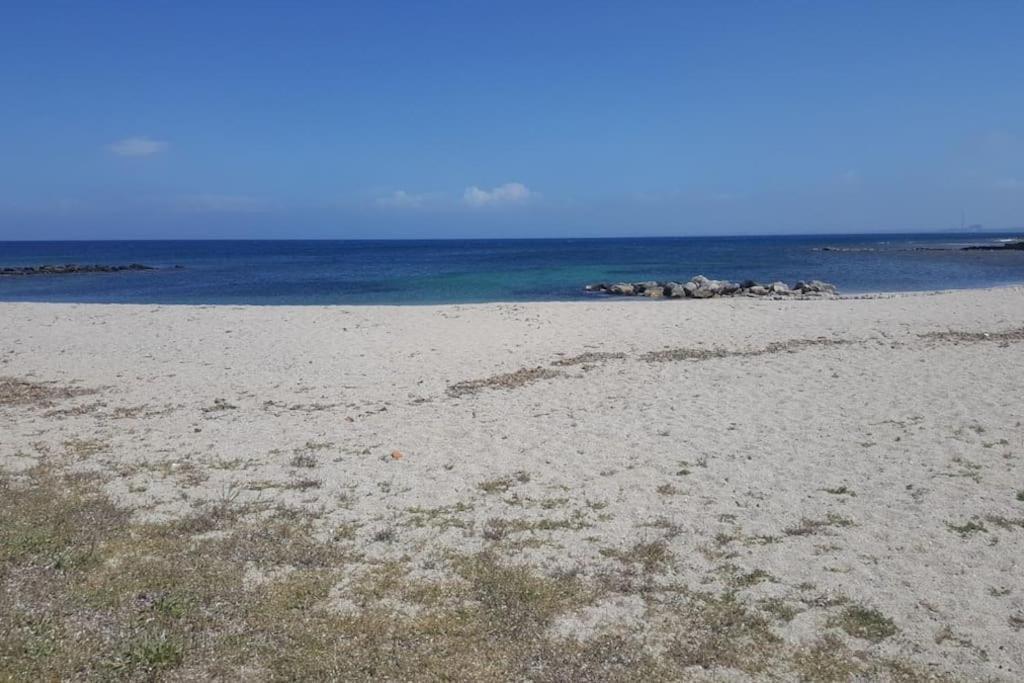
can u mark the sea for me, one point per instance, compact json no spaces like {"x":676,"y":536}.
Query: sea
{"x":412,"y":272}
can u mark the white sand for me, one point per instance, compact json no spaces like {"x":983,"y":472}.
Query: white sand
{"x":198,"y":402}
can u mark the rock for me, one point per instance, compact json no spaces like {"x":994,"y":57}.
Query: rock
{"x":702,"y":293}
{"x":715,"y":287}
{"x":70,"y":269}
{"x":675,"y":290}
{"x":650,"y":289}
{"x":815,"y":287}
{"x":701,"y":287}
{"x":705,"y":288}
{"x":1011,"y":246}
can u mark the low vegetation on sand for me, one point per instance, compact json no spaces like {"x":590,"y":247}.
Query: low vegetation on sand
{"x":243,"y":592}
{"x":14,"y":391}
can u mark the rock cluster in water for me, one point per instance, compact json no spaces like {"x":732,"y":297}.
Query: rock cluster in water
{"x":701,"y":287}
{"x":70,"y":268}
{"x":1017,"y":245}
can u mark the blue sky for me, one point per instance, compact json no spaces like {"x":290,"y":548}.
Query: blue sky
{"x":488,"y":119}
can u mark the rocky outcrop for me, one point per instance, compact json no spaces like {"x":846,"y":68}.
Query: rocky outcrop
{"x":815,"y":287}
{"x":1017,"y":245}
{"x":700,"y":287}
{"x":70,"y":269}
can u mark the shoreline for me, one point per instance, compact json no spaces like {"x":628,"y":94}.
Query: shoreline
{"x":584,"y":300}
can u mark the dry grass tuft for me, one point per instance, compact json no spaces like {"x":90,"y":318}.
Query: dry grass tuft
{"x":20,"y":392}
{"x":669,"y":355}
{"x":503,"y":484}
{"x":807,"y":527}
{"x":788,"y":346}
{"x":720,"y":631}
{"x":511,"y":380}
{"x":652,"y":556}
{"x":306,"y":460}
{"x":828,"y":659}
{"x":971,"y":526}
{"x":864,"y":622}
{"x":85,"y":448}
{"x":956,"y":336}
{"x":1005,"y":523}
{"x":590,"y":357}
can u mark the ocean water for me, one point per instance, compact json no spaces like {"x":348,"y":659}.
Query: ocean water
{"x":465,"y":271}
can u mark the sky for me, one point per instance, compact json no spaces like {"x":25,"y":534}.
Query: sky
{"x":508,"y":119}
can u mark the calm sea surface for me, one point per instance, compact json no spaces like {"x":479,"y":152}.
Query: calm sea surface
{"x":462,"y":271}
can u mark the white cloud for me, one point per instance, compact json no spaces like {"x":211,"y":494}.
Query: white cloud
{"x":1010,"y":184}
{"x":503,"y":194}
{"x":222,"y":203}
{"x":138,"y":147}
{"x":403,"y":199}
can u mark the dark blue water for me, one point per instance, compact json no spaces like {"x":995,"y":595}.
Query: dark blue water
{"x":459,"y":271}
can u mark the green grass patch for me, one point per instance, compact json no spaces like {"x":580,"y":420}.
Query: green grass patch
{"x":864,"y":622}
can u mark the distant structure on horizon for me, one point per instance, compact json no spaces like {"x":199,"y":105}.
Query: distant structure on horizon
{"x":974,"y":227}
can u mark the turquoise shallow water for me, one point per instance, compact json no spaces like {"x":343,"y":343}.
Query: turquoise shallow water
{"x":464,"y":271}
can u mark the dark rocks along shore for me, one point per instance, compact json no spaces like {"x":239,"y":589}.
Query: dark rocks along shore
{"x":1017,"y":245}
{"x":70,"y":269}
{"x":701,"y":287}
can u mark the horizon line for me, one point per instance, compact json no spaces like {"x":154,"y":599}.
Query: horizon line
{"x":946,"y":231}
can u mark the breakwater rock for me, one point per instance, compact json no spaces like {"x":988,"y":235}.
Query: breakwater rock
{"x":700,"y":287}
{"x":70,"y":269}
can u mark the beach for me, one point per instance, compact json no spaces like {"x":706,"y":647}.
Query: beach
{"x":732,"y":489}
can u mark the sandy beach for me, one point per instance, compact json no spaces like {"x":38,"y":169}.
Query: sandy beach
{"x":845,"y":475}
